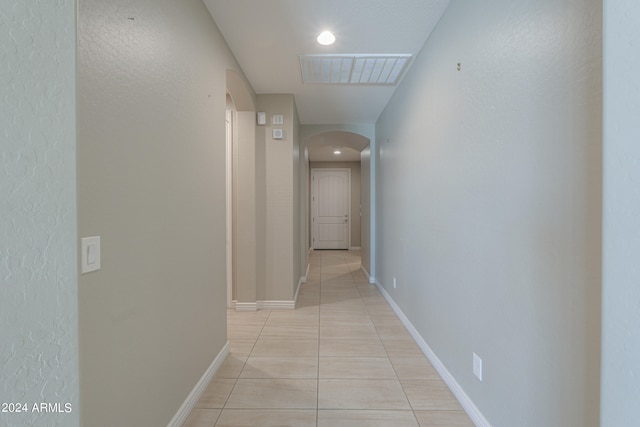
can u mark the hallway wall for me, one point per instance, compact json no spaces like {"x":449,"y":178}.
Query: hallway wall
{"x":365,"y":203}
{"x":151,"y":183}
{"x":38,"y":246}
{"x":283,"y":255}
{"x":621,"y":276}
{"x":247,"y":211}
{"x":489,"y":198}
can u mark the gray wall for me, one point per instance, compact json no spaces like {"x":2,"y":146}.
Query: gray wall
{"x":365,"y":203}
{"x":354,"y":170}
{"x":299,"y":250}
{"x":489,"y":187}
{"x":621,"y":276}
{"x":151,"y":183}
{"x":283,"y":254}
{"x":38,"y":249}
{"x":247,"y":212}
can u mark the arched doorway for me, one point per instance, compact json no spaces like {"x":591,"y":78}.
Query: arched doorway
{"x":354,"y":155}
{"x":241,"y":190}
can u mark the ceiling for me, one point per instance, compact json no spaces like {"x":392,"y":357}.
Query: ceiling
{"x":267,"y":37}
{"x":321,"y":147}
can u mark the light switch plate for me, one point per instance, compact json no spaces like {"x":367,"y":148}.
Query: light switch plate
{"x":262,"y":118}
{"x":277,"y":119}
{"x":90,"y":254}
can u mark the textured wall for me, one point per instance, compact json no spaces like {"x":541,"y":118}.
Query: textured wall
{"x":282,"y":234}
{"x":38,"y":279}
{"x":490,"y":205}
{"x":299,"y":253}
{"x":365,"y":204}
{"x":621,"y":275}
{"x":246,"y":210}
{"x":151,"y":182}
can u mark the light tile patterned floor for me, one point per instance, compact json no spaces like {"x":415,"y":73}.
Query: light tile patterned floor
{"x":341,"y":359}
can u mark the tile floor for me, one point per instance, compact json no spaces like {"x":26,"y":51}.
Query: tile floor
{"x":341,"y":359}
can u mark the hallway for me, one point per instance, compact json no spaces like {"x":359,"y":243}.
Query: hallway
{"x":342,"y":358}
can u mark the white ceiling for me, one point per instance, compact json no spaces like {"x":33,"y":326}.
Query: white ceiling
{"x":266,"y":37}
{"x":322,"y":146}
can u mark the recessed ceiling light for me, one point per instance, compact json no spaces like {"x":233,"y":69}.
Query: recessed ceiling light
{"x":337,"y":152}
{"x":326,"y":38}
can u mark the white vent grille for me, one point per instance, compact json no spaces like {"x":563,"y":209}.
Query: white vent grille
{"x":385,"y":70}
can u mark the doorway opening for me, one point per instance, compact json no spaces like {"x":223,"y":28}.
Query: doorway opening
{"x":240,"y":190}
{"x":340,"y":149}
{"x":230,"y":204}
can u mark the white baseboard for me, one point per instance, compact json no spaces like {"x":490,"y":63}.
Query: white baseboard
{"x":372,"y":279}
{"x":306,"y":274}
{"x":354,"y":248}
{"x":246,"y":306}
{"x":192,"y":399}
{"x":273,"y":304}
{"x":465,"y":401}
{"x":303,"y":279}
{"x":266,"y":305}
{"x":276,"y":305}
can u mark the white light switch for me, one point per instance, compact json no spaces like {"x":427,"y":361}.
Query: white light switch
{"x":90,"y":254}
{"x":277,"y":119}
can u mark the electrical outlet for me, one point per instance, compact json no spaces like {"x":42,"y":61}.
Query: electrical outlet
{"x":395,"y":282}
{"x":477,"y":366}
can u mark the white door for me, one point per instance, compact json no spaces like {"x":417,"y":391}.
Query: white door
{"x":330,"y":203}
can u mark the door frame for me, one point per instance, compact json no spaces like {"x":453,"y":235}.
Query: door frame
{"x":229,"y":202}
{"x":314,"y":203}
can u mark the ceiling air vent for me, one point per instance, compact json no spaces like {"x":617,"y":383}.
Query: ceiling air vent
{"x":384,"y":70}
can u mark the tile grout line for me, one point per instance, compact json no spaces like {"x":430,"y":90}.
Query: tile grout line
{"x":366,"y":302}
{"x":237,"y":379}
{"x":318,"y":369}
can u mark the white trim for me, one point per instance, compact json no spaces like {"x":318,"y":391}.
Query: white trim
{"x":467,"y":404}
{"x":372,"y":280}
{"x":305,"y":277}
{"x":276,"y":305}
{"x":229,"y":202}
{"x":355,"y":248}
{"x":266,"y":305}
{"x":272,"y":304}
{"x":246,"y":306}
{"x":192,"y":399}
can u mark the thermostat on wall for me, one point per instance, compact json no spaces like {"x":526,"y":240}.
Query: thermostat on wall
{"x":278,"y":134}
